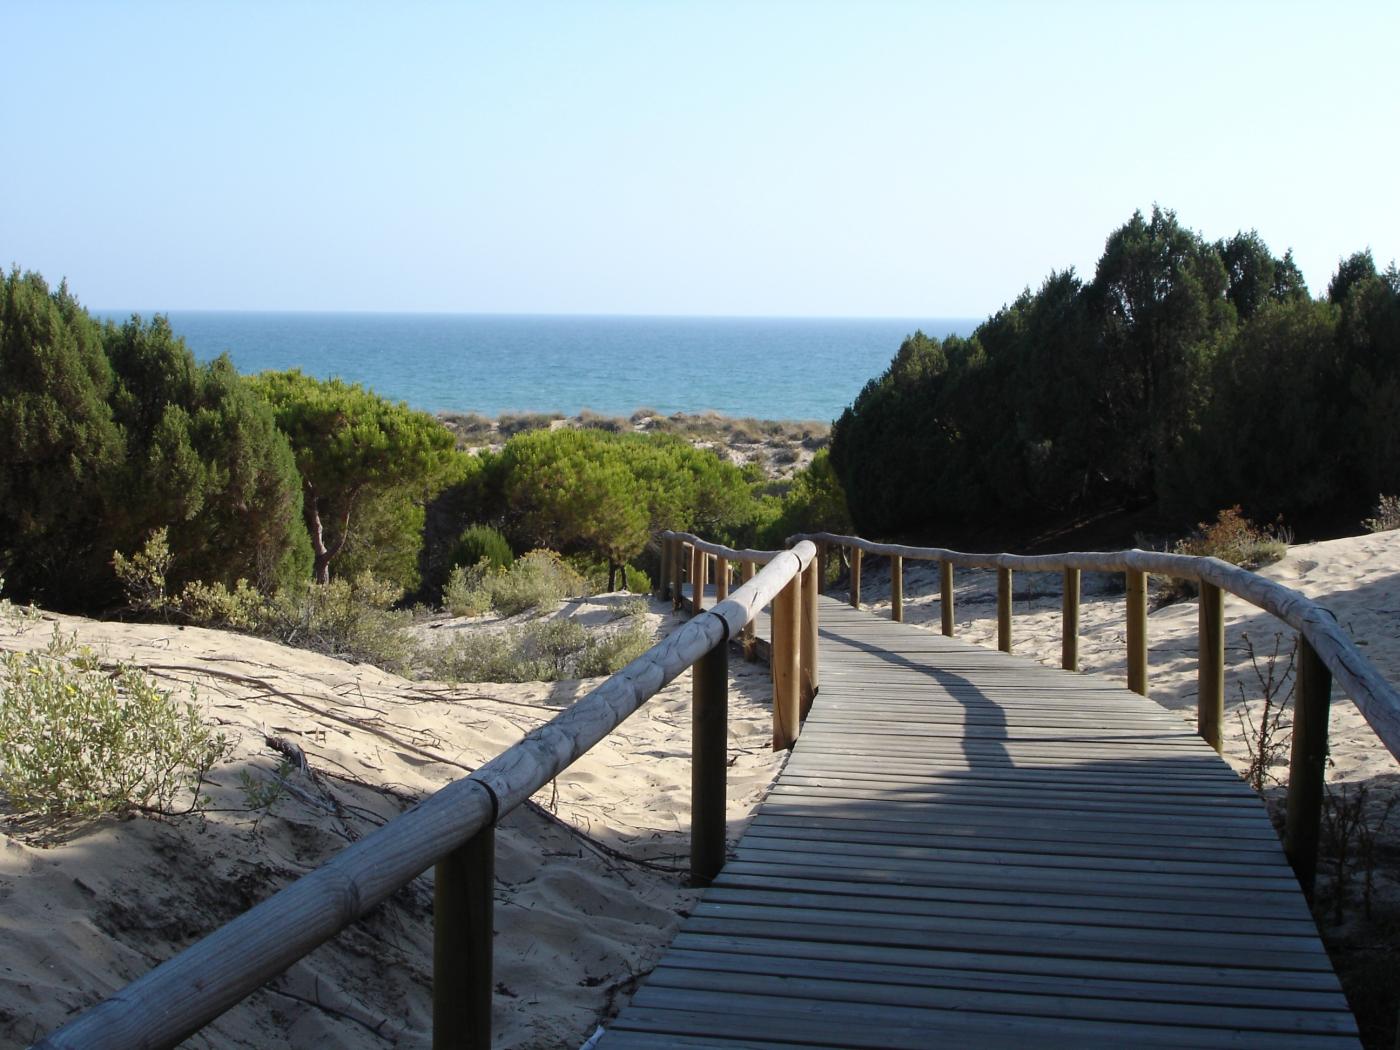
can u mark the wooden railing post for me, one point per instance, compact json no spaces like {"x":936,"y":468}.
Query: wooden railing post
{"x":945,"y":596}
{"x":855,"y":577}
{"x":678,"y":575}
{"x":709,"y":693}
{"x":897,"y":588}
{"x":721,"y":579}
{"x":786,"y":616}
{"x":1004,"y":610}
{"x":697,"y":580}
{"x":1137,"y":631}
{"x":810,"y":672}
{"x":1069,"y":622}
{"x":1210,"y":666}
{"x":1307,"y":766}
{"x":750,"y":645}
{"x":464,"y":886}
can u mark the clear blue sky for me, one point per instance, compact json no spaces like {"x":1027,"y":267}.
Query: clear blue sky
{"x":861,"y":159}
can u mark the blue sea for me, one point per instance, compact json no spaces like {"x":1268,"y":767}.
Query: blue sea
{"x":771,"y":368}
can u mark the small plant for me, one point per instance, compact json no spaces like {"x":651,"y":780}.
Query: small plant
{"x":1234,"y":538}
{"x":79,"y":741}
{"x":1268,"y":736}
{"x":261,"y":795}
{"x":466,"y":592}
{"x":1387,"y":517}
{"x":545,"y":651}
{"x":143,"y":574}
{"x":537,"y":580}
{"x":213,"y":605}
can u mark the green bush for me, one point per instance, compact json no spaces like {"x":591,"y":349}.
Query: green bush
{"x":544,"y":651}
{"x":481,"y":542}
{"x":595,"y":573}
{"x":537,"y":580}
{"x":350,"y":619}
{"x":76,"y":740}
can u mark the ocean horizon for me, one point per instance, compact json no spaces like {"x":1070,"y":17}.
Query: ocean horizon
{"x":767,"y":367}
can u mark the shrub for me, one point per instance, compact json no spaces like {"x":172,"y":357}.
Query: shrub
{"x":244,"y":608}
{"x":466,"y":592}
{"x":143,"y":575}
{"x":1387,"y":516}
{"x":1234,"y":538}
{"x":595,"y":574}
{"x":544,"y":651}
{"x":481,"y":542}
{"x":76,"y":740}
{"x":351,"y":619}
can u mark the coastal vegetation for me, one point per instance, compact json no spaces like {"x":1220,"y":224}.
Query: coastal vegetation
{"x":1185,"y":376}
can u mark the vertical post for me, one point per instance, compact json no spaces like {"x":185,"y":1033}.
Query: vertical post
{"x":464,"y":887}
{"x":750,"y":646}
{"x":1069,"y":622}
{"x":897,"y":588}
{"x":697,"y":580}
{"x":1307,"y":766}
{"x":677,"y":574}
{"x":721,"y":579}
{"x":709,"y":694}
{"x":810,"y":673}
{"x":1137,"y":631}
{"x":1210,"y":666}
{"x":855,"y":577}
{"x":786,"y":614}
{"x":945,"y":596}
{"x":1004,"y":610}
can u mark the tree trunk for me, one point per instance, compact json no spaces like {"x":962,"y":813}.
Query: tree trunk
{"x":612,"y":574}
{"x":311,"y":511}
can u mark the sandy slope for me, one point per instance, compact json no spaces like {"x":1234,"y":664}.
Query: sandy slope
{"x":80,"y":918}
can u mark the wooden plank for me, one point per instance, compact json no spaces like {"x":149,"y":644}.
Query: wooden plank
{"x":967,"y":847}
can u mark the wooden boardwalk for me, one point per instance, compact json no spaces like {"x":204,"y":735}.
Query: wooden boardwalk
{"x":967,"y":849}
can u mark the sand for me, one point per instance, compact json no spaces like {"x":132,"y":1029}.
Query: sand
{"x":575,"y":921}
{"x":590,"y":880}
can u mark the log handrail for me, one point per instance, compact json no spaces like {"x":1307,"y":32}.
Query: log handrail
{"x":1376,"y":699}
{"x":186,"y":992}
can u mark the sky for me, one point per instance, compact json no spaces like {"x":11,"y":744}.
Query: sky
{"x":872,"y":159}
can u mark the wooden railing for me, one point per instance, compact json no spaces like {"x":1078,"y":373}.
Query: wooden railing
{"x":1324,"y":649}
{"x":454,"y":829}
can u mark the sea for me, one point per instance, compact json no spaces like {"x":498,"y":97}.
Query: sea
{"x":769,"y":368}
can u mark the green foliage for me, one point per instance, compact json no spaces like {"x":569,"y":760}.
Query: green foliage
{"x":538,"y":580}
{"x":355,"y":450}
{"x":1185,"y":374}
{"x":814,"y":503}
{"x":607,"y":493}
{"x":108,"y":433}
{"x":543,"y":651}
{"x":483,"y":543}
{"x":349,"y":619}
{"x":59,"y":446}
{"x":143,"y":576}
{"x":78,"y":741}
{"x":597,"y":574}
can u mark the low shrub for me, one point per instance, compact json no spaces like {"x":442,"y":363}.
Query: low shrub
{"x":78,"y":741}
{"x":539,"y":579}
{"x":483,"y":542}
{"x":544,"y":651}
{"x":1234,"y":538}
{"x":350,"y":619}
{"x":1387,"y":517}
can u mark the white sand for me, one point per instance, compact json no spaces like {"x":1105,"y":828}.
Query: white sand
{"x":81,"y":918}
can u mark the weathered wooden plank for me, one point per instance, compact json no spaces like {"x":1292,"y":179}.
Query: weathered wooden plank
{"x":963,"y":838}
